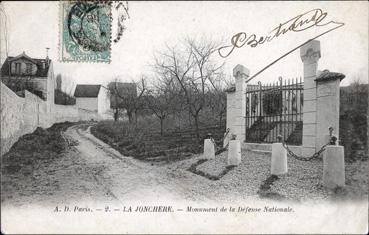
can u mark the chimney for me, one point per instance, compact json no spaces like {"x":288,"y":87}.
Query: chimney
{"x":47,"y":57}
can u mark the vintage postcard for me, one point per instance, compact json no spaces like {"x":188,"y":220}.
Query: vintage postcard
{"x":192,"y":117}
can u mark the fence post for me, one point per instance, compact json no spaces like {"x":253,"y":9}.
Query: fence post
{"x":310,"y":54}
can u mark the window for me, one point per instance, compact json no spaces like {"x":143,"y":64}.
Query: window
{"x":28,"y":68}
{"x":17,"y":68}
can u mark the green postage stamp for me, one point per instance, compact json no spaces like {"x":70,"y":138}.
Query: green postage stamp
{"x":85,"y":31}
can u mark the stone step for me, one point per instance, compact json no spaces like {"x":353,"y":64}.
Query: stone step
{"x":257,"y":146}
{"x":263,"y":152}
{"x":268,"y":147}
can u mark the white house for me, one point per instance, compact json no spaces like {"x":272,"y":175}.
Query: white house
{"x":93,"y":98}
{"x":22,"y":72}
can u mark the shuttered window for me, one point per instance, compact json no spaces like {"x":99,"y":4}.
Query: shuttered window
{"x":28,"y":68}
{"x":17,"y":68}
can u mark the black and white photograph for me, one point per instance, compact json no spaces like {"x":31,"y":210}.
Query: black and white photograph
{"x":189,"y":117}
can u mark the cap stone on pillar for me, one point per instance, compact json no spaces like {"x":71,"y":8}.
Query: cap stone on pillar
{"x":240,"y":70}
{"x":310,"y":51}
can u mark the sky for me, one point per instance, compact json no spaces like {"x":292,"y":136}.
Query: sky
{"x":33,"y":26}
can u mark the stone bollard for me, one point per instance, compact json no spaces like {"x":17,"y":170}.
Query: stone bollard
{"x":234,"y":153}
{"x":209,"y":149}
{"x":333,"y":166}
{"x":279,"y":159}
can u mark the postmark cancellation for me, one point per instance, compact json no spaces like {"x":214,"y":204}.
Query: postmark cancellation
{"x":85,"y":31}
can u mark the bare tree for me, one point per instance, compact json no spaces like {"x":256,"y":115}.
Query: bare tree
{"x":162,"y":99}
{"x":192,"y":67}
{"x":217,"y":99}
{"x":63,"y":96}
{"x":159,"y":103}
{"x":127,"y":96}
{"x":357,"y":85}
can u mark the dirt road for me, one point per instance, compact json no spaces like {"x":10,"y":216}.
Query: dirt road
{"x":127,"y":179}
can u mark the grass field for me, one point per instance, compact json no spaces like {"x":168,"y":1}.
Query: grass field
{"x":144,"y":141}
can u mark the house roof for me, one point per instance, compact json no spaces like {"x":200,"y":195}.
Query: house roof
{"x":123,"y":88}
{"x":87,"y":90}
{"x":41,"y":72}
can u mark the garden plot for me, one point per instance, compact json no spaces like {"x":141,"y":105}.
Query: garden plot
{"x":145,"y":143}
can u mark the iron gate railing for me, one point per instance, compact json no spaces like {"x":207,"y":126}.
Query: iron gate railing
{"x":274,"y":109}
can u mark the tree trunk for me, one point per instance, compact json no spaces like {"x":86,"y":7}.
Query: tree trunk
{"x":161,"y":126}
{"x":135,"y":117}
{"x":220,"y":121}
{"x":116,"y":111}
{"x":130,"y":116}
{"x":189,"y":119}
{"x":197,"y":127}
{"x":179,"y":121}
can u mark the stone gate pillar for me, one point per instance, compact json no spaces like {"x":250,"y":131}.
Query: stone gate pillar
{"x":328,"y":106}
{"x":236,"y":104}
{"x":310,"y":54}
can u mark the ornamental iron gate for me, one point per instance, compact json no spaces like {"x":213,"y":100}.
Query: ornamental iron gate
{"x":274,"y":109}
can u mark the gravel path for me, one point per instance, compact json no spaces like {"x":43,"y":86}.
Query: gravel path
{"x":302,"y":183}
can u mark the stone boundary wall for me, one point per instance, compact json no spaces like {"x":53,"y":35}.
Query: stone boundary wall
{"x":13,"y":123}
{"x":63,"y":113}
{"x":20,"y":116}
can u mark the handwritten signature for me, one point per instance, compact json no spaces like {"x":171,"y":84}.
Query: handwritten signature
{"x":298,"y":23}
